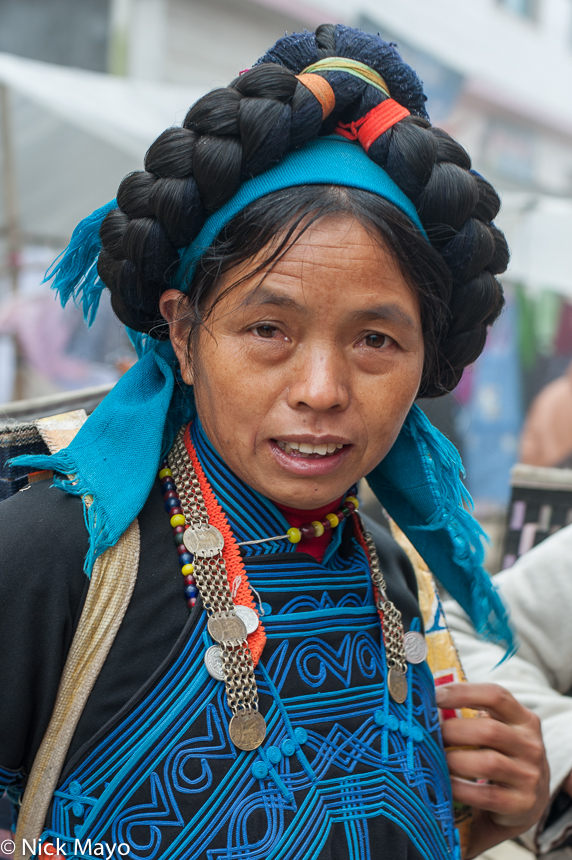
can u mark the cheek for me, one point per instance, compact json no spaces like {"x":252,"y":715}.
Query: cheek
{"x":229,"y":396}
{"x":386,"y":402}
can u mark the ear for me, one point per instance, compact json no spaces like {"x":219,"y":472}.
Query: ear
{"x":174,"y":308}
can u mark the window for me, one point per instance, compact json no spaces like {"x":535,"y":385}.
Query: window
{"x":523,"y":8}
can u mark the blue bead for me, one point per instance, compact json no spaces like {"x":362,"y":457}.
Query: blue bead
{"x":274,"y":755}
{"x":288,"y":747}
{"x":168,"y":486}
{"x":259,"y":770}
{"x":190,"y":591}
{"x":404,"y":728}
{"x":417,"y":734}
{"x":301,"y":735}
{"x":392,"y":723}
{"x":172,"y":503}
{"x":74,"y":787}
{"x":77,"y":809}
{"x":379,"y":718}
{"x":266,"y":608}
{"x":185,"y":558}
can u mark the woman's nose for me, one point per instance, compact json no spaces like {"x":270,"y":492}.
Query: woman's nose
{"x":319,"y":382}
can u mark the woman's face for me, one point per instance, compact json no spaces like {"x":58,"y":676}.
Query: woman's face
{"x":303,"y":381}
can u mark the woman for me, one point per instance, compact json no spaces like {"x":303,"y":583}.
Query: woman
{"x":297,"y":264}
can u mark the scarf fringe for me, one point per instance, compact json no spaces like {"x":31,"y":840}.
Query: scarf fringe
{"x":452,"y":506}
{"x":74,"y":273}
{"x":64,"y":464}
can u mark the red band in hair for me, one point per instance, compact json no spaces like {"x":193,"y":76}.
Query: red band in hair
{"x":373,"y":124}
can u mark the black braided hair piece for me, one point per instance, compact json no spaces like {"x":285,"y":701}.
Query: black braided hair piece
{"x":242,"y":130}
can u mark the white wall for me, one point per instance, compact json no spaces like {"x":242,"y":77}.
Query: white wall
{"x":528,"y":60}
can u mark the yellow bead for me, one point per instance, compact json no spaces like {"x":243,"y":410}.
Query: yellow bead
{"x":177,"y":520}
{"x":353,"y":500}
{"x":165,"y":473}
{"x":333,"y":519}
{"x":187,"y":569}
{"x":294,"y":535}
{"x":318,"y":528}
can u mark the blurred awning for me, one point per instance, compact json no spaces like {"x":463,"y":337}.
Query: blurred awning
{"x":539,"y":232}
{"x":75,"y":135}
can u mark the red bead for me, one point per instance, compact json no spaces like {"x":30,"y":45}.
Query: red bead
{"x":340,"y":515}
{"x":170,"y":494}
{"x":174,"y":511}
{"x":350,"y":506}
{"x":166,"y":478}
{"x":191,"y":602}
{"x":181,"y":549}
{"x":179,"y":529}
{"x":307,"y":530}
{"x":327,"y":524}
{"x":190,"y":579}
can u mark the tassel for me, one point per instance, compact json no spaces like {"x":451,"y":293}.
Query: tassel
{"x":419,"y":484}
{"x":74,"y":272}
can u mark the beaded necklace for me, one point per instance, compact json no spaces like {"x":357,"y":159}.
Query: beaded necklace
{"x":303,"y":532}
{"x":177,"y":520}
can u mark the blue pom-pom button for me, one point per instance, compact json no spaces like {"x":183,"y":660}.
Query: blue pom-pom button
{"x":301,"y":735}
{"x":274,"y":755}
{"x":288,"y":747}
{"x":259,"y":770}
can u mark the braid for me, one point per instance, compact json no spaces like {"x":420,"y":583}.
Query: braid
{"x":242,"y":130}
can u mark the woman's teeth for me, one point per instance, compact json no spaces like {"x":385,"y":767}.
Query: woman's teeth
{"x":304,"y":449}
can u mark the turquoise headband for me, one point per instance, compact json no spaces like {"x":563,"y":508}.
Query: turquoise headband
{"x":116,"y":454}
{"x":325,"y":161}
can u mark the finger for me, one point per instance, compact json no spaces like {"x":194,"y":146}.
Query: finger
{"x":492,"y":765}
{"x":492,"y":698}
{"x":518,"y":741}
{"x":505,"y":804}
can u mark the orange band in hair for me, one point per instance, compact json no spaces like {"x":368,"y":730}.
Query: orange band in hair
{"x":321,"y":89}
{"x":373,"y":124}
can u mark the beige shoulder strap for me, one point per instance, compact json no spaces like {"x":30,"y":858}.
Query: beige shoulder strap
{"x":110,"y":589}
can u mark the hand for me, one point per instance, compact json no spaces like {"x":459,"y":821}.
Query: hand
{"x":510,"y":756}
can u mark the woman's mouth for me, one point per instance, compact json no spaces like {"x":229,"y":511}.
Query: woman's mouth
{"x":309,"y":459}
{"x":305,"y":449}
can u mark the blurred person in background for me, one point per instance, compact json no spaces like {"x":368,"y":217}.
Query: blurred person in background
{"x":546,"y":438}
{"x":537,"y":591}
{"x":297,"y":264}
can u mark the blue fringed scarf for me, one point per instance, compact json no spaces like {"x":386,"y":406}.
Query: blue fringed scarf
{"x":115,"y":456}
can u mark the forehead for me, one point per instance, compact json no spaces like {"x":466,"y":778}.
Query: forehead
{"x":335,"y":258}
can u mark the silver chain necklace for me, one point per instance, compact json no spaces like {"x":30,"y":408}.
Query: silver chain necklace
{"x":247,"y":727}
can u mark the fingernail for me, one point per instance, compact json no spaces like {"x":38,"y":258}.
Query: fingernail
{"x":441,"y":695}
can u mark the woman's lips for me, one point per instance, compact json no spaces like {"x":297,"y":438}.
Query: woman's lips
{"x":302,"y":463}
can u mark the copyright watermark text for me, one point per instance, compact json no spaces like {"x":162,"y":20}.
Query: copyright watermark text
{"x":64,"y":849}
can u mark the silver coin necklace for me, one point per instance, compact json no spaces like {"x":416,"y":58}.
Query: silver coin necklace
{"x":200,"y":547}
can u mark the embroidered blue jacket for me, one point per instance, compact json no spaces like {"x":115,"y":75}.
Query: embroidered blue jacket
{"x":344,"y":772}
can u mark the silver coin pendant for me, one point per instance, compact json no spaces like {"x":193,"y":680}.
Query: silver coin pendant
{"x":248,"y":616}
{"x":213,"y":662}
{"x":415,"y":647}
{"x":247,"y":730}
{"x":226,"y":628}
{"x":397,"y":685}
{"x":204,"y":543}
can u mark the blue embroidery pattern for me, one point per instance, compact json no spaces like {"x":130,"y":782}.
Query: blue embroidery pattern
{"x":342,"y":765}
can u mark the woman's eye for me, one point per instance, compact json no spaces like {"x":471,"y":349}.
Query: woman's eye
{"x":266,"y":330}
{"x":377,"y":341}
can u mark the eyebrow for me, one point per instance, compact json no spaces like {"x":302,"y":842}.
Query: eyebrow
{"x":264,"y":296}
{"x":390,"y":311}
